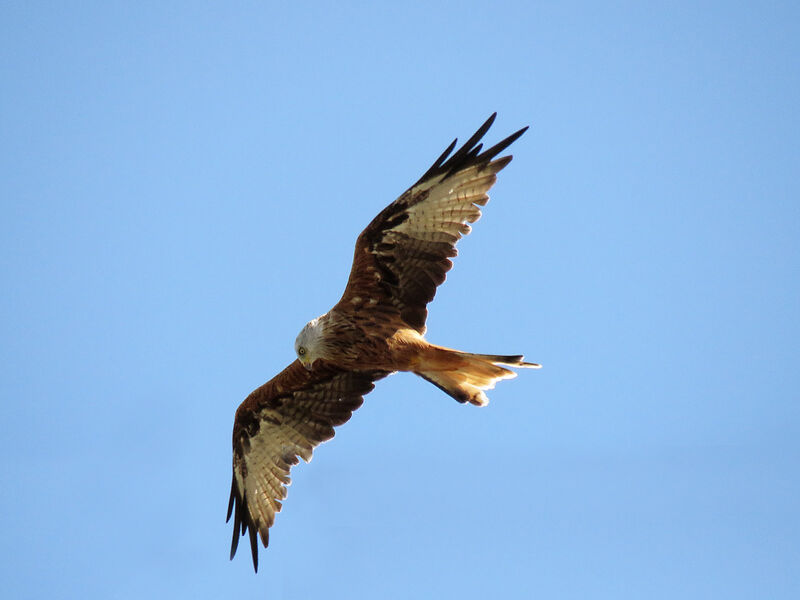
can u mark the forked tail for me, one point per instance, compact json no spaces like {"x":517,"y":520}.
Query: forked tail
{"x":464,"y":376}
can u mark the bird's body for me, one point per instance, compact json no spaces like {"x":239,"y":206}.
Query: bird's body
{"x":344,"y":339}
{"x":375,"y":329}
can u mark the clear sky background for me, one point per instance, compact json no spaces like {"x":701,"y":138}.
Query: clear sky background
{"x":181,"y":187}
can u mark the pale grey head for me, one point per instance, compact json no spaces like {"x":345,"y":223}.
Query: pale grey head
{"x":308,"y":345}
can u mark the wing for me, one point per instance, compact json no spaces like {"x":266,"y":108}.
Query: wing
{"x":282,"y":420}
{"x":404,"y":253}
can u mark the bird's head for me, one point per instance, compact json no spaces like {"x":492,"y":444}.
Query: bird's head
{"x":308,"y":344}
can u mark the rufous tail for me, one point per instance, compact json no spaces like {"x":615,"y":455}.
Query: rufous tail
{"x":465,"y":376}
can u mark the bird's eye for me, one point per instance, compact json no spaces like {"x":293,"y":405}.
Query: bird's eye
{"x":301,"y":351}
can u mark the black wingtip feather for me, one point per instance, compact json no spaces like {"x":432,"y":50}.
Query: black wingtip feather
{"x":500,"y":146}
{"x":254,"y":547}
{"x":238,"y":508}
{"x":469,"y":153}
{"x":230,"y":502}
{"x":235,"y":540}
{"x":442,"y":157}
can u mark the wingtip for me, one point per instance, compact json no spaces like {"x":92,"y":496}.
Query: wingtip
{"x":231,"y":502}
{"x":254,"y":547}
{"x":235,"y":541}
{"x":471,"y":152}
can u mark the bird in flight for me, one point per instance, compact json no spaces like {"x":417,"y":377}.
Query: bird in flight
{"x":376,"y":328}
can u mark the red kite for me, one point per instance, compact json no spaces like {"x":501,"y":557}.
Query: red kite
{"x":376,"y":328}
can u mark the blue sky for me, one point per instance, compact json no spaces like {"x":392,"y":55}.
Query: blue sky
{"x":181,"y":188}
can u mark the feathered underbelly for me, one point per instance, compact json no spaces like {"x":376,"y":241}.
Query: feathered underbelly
{"x":364,"y":344}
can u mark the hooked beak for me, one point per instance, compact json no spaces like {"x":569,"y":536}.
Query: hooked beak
{"x":307,"y":364}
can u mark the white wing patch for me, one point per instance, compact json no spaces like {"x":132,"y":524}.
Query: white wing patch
{"x":445,"y":213}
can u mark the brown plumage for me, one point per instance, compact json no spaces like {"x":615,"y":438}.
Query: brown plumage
{"x":376,"y":328}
